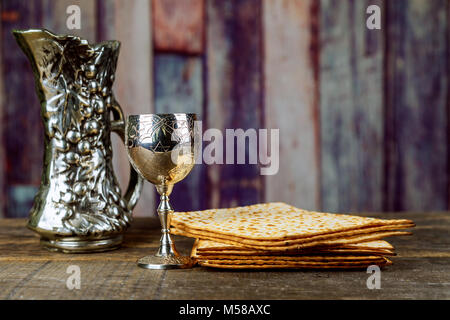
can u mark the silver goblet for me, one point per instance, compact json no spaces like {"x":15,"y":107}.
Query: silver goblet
{"x":160,"y":147}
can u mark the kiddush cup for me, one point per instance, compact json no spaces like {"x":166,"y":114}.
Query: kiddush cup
{"x":79,"y":206}
{"x":161,"y":149}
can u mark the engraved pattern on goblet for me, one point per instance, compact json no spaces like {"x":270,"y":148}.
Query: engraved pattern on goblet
{"x":146,"y":129}
{"x":161,"y":149}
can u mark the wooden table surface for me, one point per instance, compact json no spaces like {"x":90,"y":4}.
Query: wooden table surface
{"x":421,"y":270}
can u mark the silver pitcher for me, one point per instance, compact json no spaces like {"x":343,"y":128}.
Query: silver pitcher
{"x":79,"y":206}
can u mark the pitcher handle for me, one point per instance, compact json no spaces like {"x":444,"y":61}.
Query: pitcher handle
{"x":136,"y":183}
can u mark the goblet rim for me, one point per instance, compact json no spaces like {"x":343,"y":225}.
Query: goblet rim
{"x":190,"y":114}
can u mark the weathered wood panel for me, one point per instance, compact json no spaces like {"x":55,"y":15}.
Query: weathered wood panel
{"x":448,"y":106}
{"x":291,"y":100}
{"x":351,"y":107}
{"x":178,"y":25}
{"x":105,"y":21}
{"x":2,"y":152}
{"x":179,"y":88}
{"x":234,"y":93}
{"x":417,"y":105}
{"x":55,"y":17}
{"x":129,"y":22}
{"x":22,"y":137}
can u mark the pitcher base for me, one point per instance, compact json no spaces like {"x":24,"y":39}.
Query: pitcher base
{"x":82,"y":245}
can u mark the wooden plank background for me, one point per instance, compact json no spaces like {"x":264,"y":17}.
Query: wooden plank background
{"x":22,"y":132}
{"x":130,"y":23}
{"x":178,"y":79}
{"x":2,"y":150}
{"x":54,"y":17}
{"x":234,"y":99}
{"x":291,"y":100}
{"x":351,"y":107}
{"x":178,"y":88}
{"x":172,"y":16}
{"x":417,"y":104}
{"x":363,"y":114}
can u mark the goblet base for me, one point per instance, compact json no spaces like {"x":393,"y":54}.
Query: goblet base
{"x":169,"y":262}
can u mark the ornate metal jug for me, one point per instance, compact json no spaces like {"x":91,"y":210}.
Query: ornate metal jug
{"x":79,"y":207}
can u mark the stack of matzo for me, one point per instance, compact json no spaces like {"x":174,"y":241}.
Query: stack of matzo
{"x":277,"y":235}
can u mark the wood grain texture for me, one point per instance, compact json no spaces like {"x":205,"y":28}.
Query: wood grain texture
{"x":448,"y":105}
{"x":234,"y":94}
{"x":138,"y":241}
{"x":129,"y":22}
{"x":178,"y":25}
{"x":105,"y":21}
{"x":291,"y":101}
{"x":179,"y":88}
{"x":55,"y":17}
{"x":351,"y":107}
{"x":417,"y":100}
{"x":421,"y":270}
{"x":22,"y":137}
{"x":2,"y":151}
{"x":28,"y":270}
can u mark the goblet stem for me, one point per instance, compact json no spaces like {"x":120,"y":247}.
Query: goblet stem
{"x":166,"y":247}
{"x":167,"y":256}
